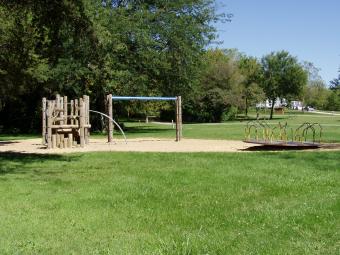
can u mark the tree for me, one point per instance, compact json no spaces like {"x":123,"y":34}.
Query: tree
{"x":316,"y":92}
{"x":335,"y":83}
{"x":333,"y":100}
{"x":219,"y":87}
{"x":94,"y":47}
{"x":46,"y":48}
{"x":251,"y":70}
{"x":283,"y":77}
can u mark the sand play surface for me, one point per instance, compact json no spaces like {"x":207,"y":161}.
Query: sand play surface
{"x":141,"y":145}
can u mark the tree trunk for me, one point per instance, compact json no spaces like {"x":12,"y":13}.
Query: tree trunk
{"x":246,"y":107}
{"x":272,"y":109}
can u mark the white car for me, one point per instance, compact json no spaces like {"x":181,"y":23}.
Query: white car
{"x":309,"y":109}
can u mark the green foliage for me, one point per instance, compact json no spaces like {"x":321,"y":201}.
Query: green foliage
{"x":317,"y":95}
{"x":219,"y":87}
{"x":45,"y":48}
{"x":136,"y":48}
{"x":95,"y":47}
{"x":283,"y":77}
{"x":335,"y":83}
{"x":333,"y":101}
{"x":230,"y":113}
{"x":252,"y":73}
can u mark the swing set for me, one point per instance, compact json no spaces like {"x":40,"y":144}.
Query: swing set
{"x":178,"y":100}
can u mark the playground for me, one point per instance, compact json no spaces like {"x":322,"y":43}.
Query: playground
{"x":221,"y":201}
{"x":207,"y":137}
{"x":66,"y":129}
{"x":169,"y":127}
{"x":213,"y":191}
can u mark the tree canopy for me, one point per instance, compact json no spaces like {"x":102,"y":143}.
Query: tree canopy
{"x":94,"y":47}
{"x":283,"y":77}
{"x":252,"y":74}
{"x":335,"y":83}
{"x":130,"y":47}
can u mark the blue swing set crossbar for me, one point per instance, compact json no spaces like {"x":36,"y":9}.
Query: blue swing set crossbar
{"x":144,"y":98}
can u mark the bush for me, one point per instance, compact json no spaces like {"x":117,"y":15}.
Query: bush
{"x":230,"y":114}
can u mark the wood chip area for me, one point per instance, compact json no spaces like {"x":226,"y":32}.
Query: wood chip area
{"x":138,"y":145}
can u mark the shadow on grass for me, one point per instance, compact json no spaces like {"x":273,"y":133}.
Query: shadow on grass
{"x":15,"y":162}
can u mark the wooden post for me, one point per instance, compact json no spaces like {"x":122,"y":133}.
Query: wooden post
{"x":76,"y":111}
{"x":178,"y":118}
{"x":61,"y":114}
{"x":57,"y":101}
{"x":87,"y":118}
{"x":61,"y":141}
{"x":70,"y":140}
{"x":82,"y":122}
{"x":65,"y":110}
{"x":110,"y":124}
{"x":43,"y":131}
{"x":54,"y":141}
{"x":66,"y":142}
{"x":87,"y":113}
{"x":72,"y":112}
{"x":58,"y":140}
{"x":49,"y":124}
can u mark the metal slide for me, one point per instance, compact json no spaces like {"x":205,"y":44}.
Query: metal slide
{"x":103,"y":114}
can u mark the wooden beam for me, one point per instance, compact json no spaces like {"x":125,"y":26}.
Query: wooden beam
{"x":43,"y":113}
{"x":65,"y":109}
{"x":87,"y":118}
{"x":82,"y":122}
{"x":76,"y":111}
{"x":70,"y":140}
{"x":72,"y":112}
{"x":109,"y":112}
{"x":179,"y":99}
{"x":49,"y":124}
{"x":68,"y":126}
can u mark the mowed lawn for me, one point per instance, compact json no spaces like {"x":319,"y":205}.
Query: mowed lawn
{"x":233,"y":130}
{"x":170,"y":203}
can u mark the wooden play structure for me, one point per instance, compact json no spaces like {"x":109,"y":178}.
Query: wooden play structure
{"x":65,"y":124}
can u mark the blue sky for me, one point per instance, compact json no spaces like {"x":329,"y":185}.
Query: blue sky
{"x":308,"y":29}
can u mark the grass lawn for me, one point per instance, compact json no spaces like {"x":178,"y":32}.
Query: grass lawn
{"x":168,"y":203}
{"x":8,"y":137}
{"x":232,"y":130}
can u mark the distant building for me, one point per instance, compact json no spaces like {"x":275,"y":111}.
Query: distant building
{"x":296,"y":105}
{"x":279,"y":103}
{"x":268,"y":103}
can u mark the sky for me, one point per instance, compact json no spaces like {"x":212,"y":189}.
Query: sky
{"x":307,"y":29}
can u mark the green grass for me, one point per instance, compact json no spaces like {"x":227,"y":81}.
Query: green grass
{"x":154,"y":203}
{"x":231,"y":130}
{"x":9,"y":137}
